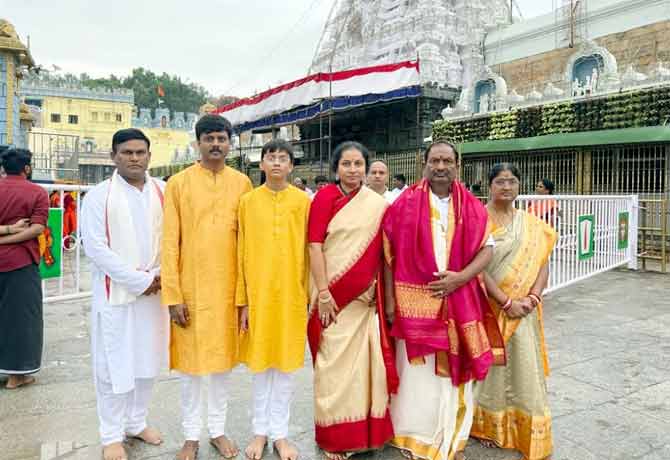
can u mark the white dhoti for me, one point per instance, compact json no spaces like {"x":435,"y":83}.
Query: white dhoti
{"x":273,"y":391}
{"x":191,"y":404}
{"x":431,"y":417}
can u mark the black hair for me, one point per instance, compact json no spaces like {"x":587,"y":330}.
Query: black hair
{"x":549,"y":185}
{"x":319,"y":179}
{"x":349,"y":145}
{"x":277,"y":145}
{"x":213,"y":124}
{"x":401,"y":178}
{"x":129,"y":134}
{"x":166,"y":178}
{"x":14,"y":161}
{"x":500,"y":167}
{"x":438,"y":142}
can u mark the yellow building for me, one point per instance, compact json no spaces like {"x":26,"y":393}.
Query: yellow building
{"x":92,"y":115}
{"x":166,"y":144}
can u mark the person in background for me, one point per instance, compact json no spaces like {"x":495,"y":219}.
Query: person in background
{"x":399,"y":185}
{"x":321,"y":182}
{"x":376,"y":180}
{"x":547,"y":210}
{"x":24,"y":210}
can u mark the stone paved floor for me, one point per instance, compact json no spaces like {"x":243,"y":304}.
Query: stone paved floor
{"x":610,"y":385}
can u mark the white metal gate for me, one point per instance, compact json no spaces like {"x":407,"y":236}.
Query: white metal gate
{"x":614,"y":222}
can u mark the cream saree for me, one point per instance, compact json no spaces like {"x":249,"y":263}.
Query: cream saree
{"x":350,"y":376}
{"x":512,"y":407}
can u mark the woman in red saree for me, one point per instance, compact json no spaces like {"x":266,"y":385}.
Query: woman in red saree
{"x":353,"y":360}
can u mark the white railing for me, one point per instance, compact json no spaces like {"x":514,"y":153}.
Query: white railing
{"x":610,"y":248}
{"x":75,"y":279}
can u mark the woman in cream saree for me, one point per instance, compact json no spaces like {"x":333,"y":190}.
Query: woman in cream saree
{"x":353,"y":360}
{"x":512,"y":408}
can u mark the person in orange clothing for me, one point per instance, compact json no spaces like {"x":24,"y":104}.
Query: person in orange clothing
{"x":69,"y":218}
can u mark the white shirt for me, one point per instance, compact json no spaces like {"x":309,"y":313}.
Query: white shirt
{"x":134,"y":336}
{"x":442,"y":205}
{"x":389,"y":196}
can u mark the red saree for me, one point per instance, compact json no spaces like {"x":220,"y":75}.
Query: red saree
{"x":460,"y":329}
{"x":354,"y":368}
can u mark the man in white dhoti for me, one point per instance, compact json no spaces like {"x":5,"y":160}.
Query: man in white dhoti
{"x":121,"y":230}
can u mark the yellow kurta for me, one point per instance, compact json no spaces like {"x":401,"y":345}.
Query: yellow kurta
{"x":199,"y":266}
{"x":273,"y":277}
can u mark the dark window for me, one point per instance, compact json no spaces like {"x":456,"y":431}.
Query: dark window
{"x":35,"y":102}
{"x":119,"y":117}
{"x":55,"y":118}
{"x":73,"y":119}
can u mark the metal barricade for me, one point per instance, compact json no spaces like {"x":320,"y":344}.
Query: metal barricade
{"x":596,"y":233}
{"x":74,"y":281}
{"x":654,"y":238}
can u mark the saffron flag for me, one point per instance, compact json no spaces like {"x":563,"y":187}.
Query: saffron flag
{"x":160,"y":91}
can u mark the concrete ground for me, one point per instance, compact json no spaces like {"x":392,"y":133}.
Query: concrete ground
{"x":610,"y":385}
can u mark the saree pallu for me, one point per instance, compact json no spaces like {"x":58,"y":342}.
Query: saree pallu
{"x":512,"y":407}
{"x":354,"y":370}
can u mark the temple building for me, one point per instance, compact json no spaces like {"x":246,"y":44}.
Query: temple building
{"x":15,"y":63}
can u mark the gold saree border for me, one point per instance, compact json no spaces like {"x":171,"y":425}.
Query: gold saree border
{"x":513,"y":428}
{"x":417,"y":448}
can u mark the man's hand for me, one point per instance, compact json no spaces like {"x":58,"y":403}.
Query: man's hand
{"x":179,"y":314}
{"x":154,"y":287}
{"x":448,"y":283}
{"x":244,"y":318}
{"x":19,"y":226}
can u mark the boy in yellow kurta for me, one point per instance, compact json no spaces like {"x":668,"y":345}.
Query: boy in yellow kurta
{"x":198,"y":279}
{"x":272,"y":295}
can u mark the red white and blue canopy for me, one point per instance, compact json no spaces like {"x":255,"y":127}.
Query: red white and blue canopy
{"x":323,"y":91}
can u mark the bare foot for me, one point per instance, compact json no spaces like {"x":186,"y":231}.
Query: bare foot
{"x":286,"y":450}
{"x":256,"y":447}
{"x":189,"y":451}
{"x":226,"y":447}
{"x":16,"y":381}
{"x":114,"y":451}
{"x":407,"y":454}
{"x":337,"y":455}
{"x":488,"y":443}
{"x":149,"y":435}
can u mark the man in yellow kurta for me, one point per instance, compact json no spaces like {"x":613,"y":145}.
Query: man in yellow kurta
{"x":198,"y":279}
{"x":272,"y":295}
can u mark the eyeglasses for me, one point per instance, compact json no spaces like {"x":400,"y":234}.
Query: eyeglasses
{"x":512,"y":182}
{"x":283,"y":159}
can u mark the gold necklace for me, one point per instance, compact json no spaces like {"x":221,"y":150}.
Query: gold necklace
{"x":503,"y":219}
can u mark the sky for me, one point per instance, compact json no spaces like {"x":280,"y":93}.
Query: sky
{"x":230,"y":47}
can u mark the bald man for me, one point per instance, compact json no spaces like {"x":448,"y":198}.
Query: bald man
{"x":377,"y":178}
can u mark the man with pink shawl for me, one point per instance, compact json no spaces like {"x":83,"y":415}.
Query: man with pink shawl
{"x":437,"y":242}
